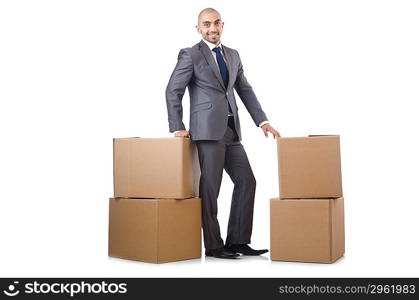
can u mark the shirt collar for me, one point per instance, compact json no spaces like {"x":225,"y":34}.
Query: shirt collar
{"x":212,"y":46}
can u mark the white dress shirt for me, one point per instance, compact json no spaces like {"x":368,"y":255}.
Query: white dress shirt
{"x":214,"y":55}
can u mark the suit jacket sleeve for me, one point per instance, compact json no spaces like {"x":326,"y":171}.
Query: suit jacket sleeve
{"x":248,"y":97}
{"x":175,"y":90}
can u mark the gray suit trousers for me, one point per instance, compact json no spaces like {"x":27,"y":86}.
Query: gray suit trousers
{"x":214,"y":156}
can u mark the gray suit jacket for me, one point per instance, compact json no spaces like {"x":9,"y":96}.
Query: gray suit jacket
{"x":197,"y":70}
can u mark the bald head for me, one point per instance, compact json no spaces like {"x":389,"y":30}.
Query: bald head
{"x":207,"y":10}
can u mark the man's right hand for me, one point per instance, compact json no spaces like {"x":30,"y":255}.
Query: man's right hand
{"x":182,"y":133}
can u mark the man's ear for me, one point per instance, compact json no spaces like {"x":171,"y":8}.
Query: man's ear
{"x":197,"y":28}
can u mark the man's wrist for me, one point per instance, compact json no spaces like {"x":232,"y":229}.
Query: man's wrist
{"x":263,"y":123}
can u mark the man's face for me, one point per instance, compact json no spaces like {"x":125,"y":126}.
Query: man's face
{"x":210,"y":27}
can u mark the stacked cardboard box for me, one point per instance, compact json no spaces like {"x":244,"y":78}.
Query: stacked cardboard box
{"x":155,"y":215}
{"x":307,"y":220}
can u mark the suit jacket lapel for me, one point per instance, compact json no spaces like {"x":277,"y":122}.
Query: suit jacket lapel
{"x":211,"y":62}
{"x":228,"y":58}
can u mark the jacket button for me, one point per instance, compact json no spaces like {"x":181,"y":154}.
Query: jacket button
{"x":226,"y":93}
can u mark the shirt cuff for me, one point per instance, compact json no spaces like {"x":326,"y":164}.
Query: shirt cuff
{"x":263,"y":123}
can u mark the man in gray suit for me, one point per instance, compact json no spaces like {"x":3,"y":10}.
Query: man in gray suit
{"x":211,"y":71}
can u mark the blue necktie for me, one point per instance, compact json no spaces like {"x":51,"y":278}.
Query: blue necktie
{"x":223,"y":70}
{"x":221,"y":65}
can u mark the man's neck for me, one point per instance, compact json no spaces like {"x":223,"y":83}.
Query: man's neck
{"x":214,"y":44}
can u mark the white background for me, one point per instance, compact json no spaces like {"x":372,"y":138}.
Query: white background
{"x":75,"y":74}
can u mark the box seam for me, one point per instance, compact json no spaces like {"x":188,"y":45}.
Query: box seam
{"x":157,"y":231}
{"x":183,"y":169}
{"x":130,"y":169}
{"x":331,"y":244}
{"x":114,"y":175}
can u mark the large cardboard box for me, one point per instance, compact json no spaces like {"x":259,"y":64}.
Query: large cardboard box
{"x":155,"y":230}
{"x":307,"y":230}
{"x":155,"y":168}
{"x":309,"y":167}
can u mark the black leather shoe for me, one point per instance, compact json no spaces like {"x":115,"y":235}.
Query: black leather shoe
{"x":244,"y":249}
{"x":221,"y":253}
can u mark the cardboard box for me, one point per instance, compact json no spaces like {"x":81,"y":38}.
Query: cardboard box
{"x":155,"y":230}
{"x":155,"y":168}
{"x":307,"y":230}
{"x":309,"y":167}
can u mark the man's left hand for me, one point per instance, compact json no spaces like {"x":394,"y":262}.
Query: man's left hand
{"x":268,"y":128}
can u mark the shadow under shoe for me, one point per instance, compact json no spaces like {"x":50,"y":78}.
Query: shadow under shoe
{"x":221,"y":253}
